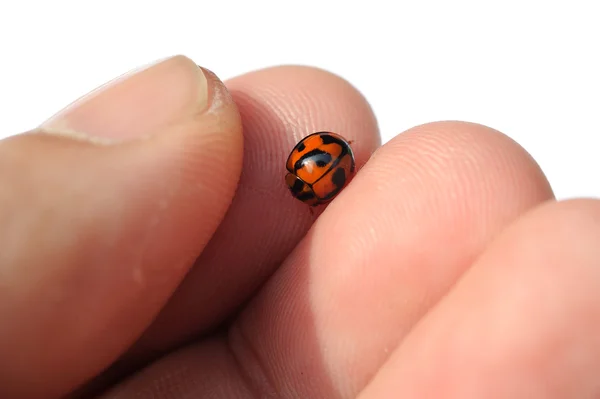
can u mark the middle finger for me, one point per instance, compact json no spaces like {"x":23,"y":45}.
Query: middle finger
{"x":381,"y":255}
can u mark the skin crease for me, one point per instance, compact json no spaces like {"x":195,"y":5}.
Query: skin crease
{"x":447,"y":241}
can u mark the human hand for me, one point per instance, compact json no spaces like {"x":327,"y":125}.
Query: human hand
{"x":135,"y":234}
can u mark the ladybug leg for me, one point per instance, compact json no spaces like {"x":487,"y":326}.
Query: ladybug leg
{"x":351,"y":142}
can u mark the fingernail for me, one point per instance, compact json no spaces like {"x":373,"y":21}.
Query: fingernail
{"x":137,"y":104}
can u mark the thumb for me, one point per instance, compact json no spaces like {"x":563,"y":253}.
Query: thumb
{"x":102,"y":211}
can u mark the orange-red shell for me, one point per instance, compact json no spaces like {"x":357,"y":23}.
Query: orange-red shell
{"x":319,"y":167}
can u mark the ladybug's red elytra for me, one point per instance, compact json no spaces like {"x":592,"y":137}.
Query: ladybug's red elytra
{"x":319,"y":167}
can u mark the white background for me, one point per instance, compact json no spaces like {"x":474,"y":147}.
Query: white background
{"x":528,"y":68}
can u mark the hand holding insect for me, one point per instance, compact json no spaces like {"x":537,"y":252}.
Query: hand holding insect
{"x":151,"y":248}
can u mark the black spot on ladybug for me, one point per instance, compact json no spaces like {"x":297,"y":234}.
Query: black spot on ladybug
{"x":329,"y":139}
{"x":319,"y":157}
{"x":321,"y":163}
{"x":301,"y":147}
{"x":339,"y":177}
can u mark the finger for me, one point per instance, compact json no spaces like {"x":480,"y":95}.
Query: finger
{"x":278,"y":106}
{"x":395,"y":240}
{"x":524,"y":322}
{"x":398,"y":237}
{"x":102,"y":212}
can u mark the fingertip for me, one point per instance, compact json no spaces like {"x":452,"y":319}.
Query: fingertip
{"x":524,"y":317}
{"x":324,"y":101}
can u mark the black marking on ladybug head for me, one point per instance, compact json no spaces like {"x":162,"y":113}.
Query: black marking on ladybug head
{"x":301,"y":147}
{"x":319,"y":157}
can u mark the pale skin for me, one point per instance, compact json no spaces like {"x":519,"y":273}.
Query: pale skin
{"x":150,"y":248}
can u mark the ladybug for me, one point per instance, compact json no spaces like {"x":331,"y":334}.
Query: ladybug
{"x":319,"y":167}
